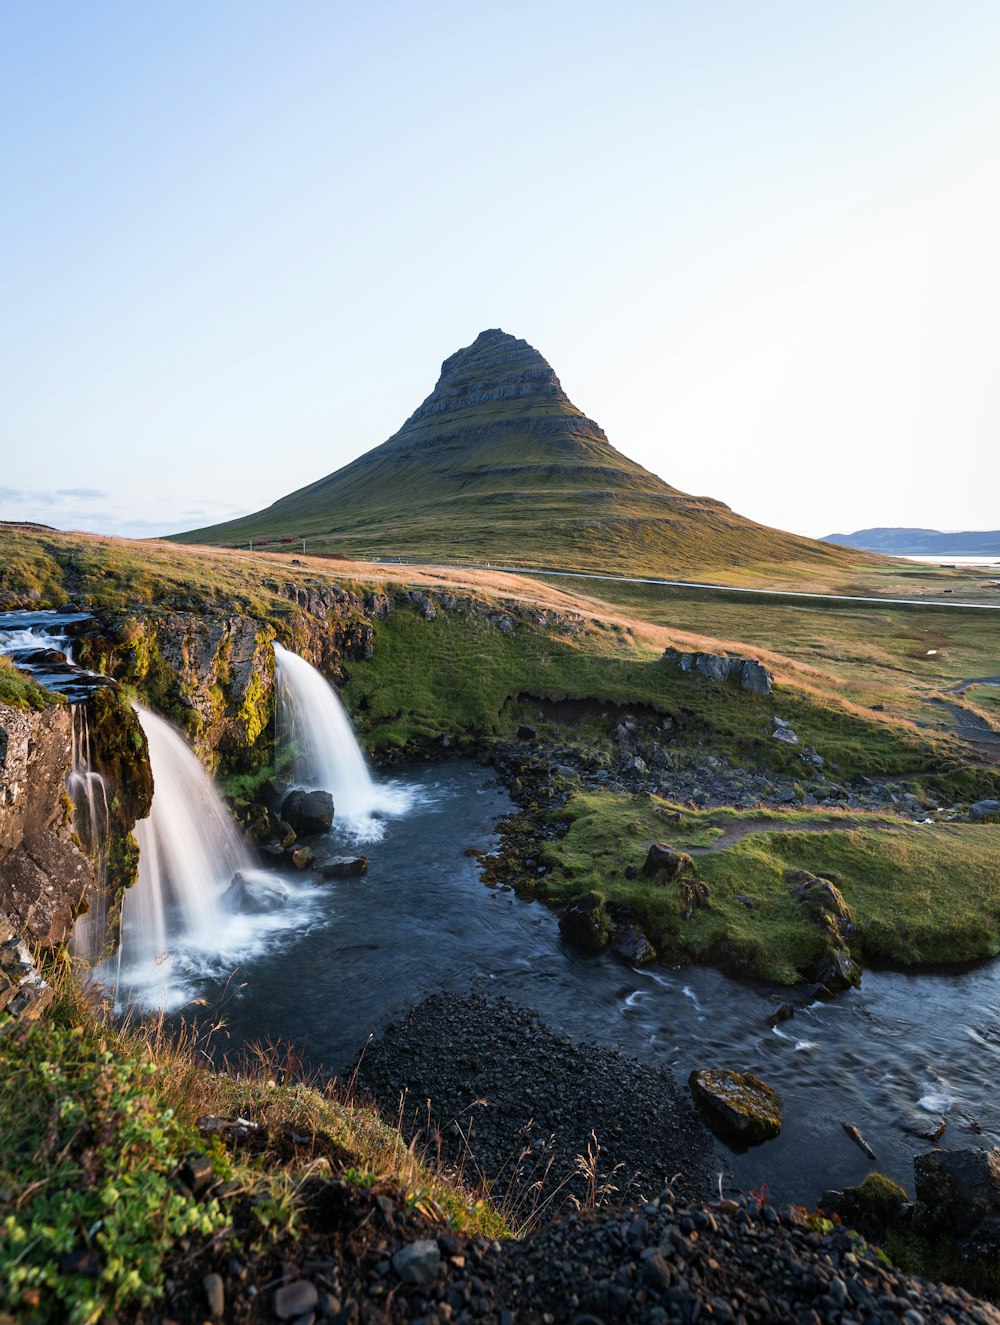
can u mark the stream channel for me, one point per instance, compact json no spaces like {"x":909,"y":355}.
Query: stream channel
{"x":346,"y":957}
{"x":892,"y":1058}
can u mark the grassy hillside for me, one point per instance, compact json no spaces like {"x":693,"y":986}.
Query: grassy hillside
{"x":498,"y":466}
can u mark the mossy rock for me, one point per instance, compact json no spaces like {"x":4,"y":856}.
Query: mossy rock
{"x":587,"y":924}
{"x":744,"y":1110}
{"x":876,"y":1207}
{"x":663,"y":863}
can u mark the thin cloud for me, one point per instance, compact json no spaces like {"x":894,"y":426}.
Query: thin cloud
{"x":84,"y":494}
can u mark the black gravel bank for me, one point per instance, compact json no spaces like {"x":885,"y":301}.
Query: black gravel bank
{"x":544,"y":1120}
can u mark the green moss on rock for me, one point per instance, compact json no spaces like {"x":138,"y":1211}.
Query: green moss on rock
{"x":744,"y":1109}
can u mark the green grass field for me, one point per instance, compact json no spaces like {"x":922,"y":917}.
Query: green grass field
{"x":919,"y":894}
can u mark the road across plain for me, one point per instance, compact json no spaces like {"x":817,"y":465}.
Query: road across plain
{"x":696,"y":584}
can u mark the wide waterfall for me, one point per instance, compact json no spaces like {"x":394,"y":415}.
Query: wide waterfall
{"x":189,"y":851}
{"x":199,"y":905}
{"x":314,"y":727}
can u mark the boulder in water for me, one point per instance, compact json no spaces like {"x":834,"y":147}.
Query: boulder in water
{"x":631,"y":943}
{"x":308,"y":811}
{"x":342,"y":867}
{"x":255,"y":894}
{"x":744,"y":1109}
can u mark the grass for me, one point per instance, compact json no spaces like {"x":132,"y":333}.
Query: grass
{"x":891,"y":655}
{"x":456,"y":676}
{"x":94,"y":1120}
{"x":919,"y":895}
{"x":20,"y":691}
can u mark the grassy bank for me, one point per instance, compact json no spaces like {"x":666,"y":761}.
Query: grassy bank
{"x":918,"y":894}
{"x":95,"y":1121}
{"x":894,"y":655}
{"x":462,"y":674}
{"x":19,"y":690}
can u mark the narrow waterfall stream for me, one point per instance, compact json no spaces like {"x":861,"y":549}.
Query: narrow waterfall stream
{"x":314,"y":728}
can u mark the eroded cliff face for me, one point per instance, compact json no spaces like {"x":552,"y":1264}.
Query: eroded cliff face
{"x":44,"y":875}
{"x":212,"y":673}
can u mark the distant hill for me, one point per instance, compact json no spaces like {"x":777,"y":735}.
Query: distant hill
{"x":498,"y":465}
{"x":921,"y":542}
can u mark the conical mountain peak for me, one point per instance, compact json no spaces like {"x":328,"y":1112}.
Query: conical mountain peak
{"x":495,"y":367}
{"x":498,"y":465}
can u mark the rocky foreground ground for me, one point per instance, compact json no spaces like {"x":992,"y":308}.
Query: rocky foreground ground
{"x":672,"y":1251}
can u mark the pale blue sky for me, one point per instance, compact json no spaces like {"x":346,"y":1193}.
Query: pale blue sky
{"x":757,"y":242}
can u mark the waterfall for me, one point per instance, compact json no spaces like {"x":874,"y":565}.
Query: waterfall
{"x":314,"y":726}
{"x":189,"y":851}
{"x":199,"y":908}
{"x":91,"y":822}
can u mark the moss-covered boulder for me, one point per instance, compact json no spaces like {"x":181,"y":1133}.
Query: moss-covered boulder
{"x":663,"y":863}
{"x":744,"y":1110}
{"x":877,"y":1207}
{"x":825,"y":908}
{"x":587,"y":924}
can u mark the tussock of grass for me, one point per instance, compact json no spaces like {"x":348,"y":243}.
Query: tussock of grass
{"x":20,"y":690}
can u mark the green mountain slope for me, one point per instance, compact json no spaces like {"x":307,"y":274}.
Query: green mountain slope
{"x":498,"y":465}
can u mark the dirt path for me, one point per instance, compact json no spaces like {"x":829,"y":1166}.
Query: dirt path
{"x":973,"y":729}
{"x":735,"y":832}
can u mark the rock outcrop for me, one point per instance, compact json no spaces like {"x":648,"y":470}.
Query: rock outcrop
{"x":824,"y":906}
{"x":211,"y":672}
{"x":746,"y":672}
{"x":24,"y":995}
{"x":44,"y":875}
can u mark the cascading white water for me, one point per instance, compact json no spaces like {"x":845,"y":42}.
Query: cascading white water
{"x":86,"y":787}
{"x":91,"y":822}
{"x":313,"y":724}
{"x":189,"y":850}
{"x":199,"y":906}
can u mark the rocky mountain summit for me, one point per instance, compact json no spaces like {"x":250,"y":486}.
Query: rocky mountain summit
{"x":495,"y":366}
{"x":498,"y":465}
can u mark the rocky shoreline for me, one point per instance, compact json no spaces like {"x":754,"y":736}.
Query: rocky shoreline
{"x":676,"y":1249}
{"x":492,"y":1092}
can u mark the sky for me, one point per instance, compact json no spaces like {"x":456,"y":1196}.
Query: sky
{"x":756,"y":240}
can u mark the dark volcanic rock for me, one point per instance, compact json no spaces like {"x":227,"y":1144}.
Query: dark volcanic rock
{"x":959,"y":1195}
{"x":341,"y":867}
{"x":518,"y":1103}
{"x":586,"y":923}
{"x":308,"y":811}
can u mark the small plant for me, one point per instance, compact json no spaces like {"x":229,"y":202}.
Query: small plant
{"x":90,"y":1151}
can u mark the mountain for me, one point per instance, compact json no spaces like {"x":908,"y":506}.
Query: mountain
{"x":921,"y":542}
{"x":498,"y":465}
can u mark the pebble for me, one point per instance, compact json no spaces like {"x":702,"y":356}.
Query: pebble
{"x":295,"y":1299}
{"x":215,"y":1294}
{"x":418,"y":1263}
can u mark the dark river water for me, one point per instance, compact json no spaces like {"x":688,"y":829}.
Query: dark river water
{"x":346,"y":957}
{"x":893,"y":1058}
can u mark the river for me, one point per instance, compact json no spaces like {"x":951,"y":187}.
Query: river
{"x":892,"y":1058}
